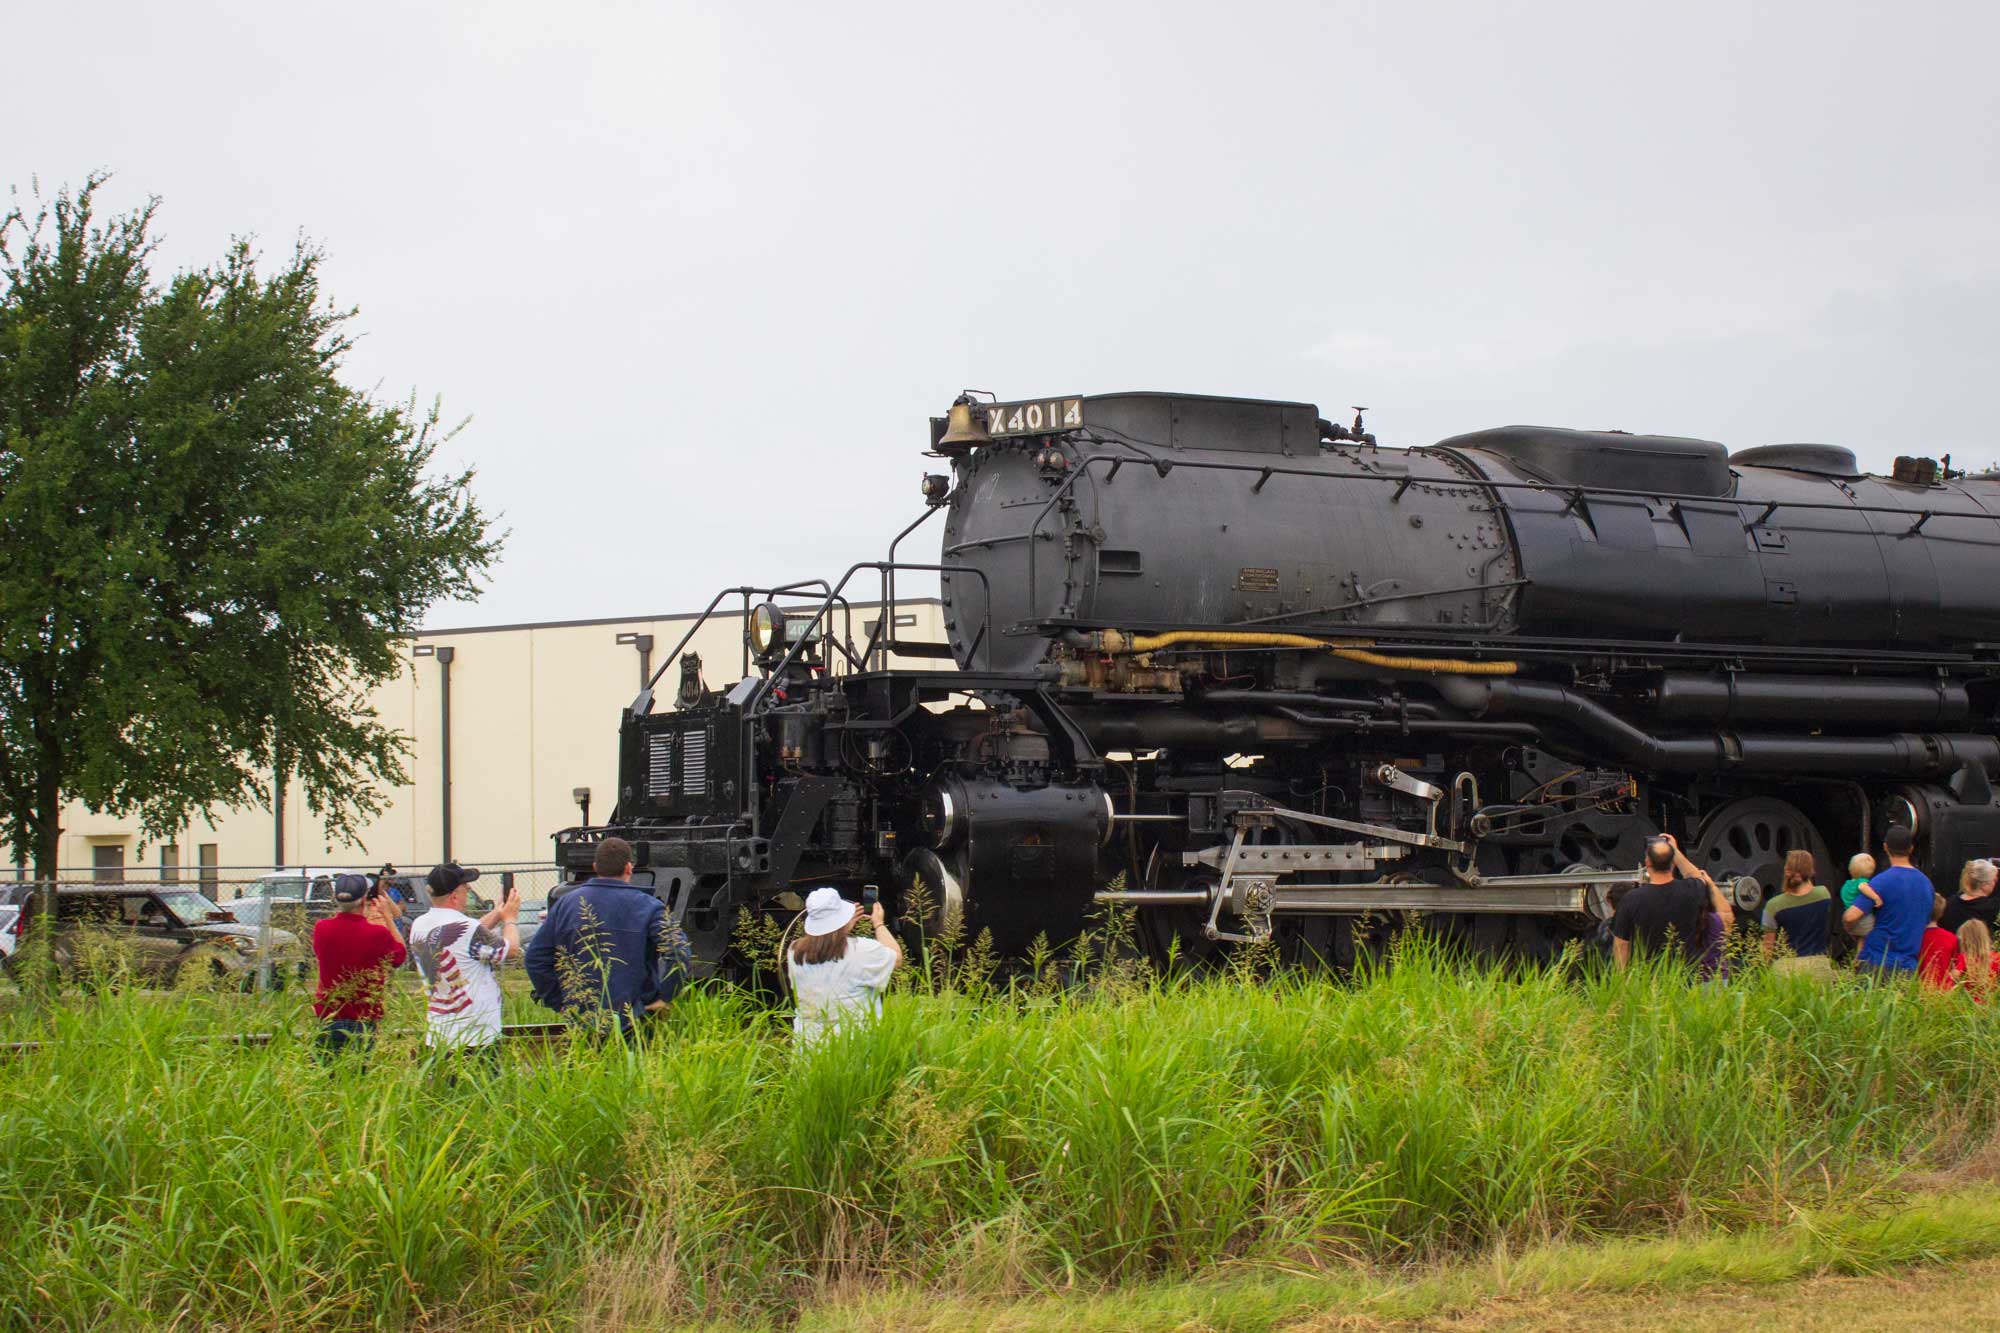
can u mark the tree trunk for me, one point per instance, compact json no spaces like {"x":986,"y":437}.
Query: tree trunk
{"x":48,"y":861}
{"x":48,"y":824}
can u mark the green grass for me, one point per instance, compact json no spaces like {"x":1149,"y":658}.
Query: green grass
{"x":1128,"y":1136}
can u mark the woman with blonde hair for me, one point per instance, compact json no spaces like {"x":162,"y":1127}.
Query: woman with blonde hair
{"x":1975,"y":899}
{"x":1800,"y":917}
{"x":1977,"y":965}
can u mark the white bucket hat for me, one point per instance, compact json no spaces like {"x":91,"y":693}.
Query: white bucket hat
{"x":827,"y":911}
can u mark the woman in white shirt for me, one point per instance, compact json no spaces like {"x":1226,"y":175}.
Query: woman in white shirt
{"x":834,"y":975}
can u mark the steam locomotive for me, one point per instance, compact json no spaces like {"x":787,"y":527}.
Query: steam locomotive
{"x":1250,"y":673}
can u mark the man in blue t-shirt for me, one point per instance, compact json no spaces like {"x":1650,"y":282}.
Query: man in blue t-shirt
{"x":1899,"y":898}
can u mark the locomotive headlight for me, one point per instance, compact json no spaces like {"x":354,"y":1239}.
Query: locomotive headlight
{"x":767,"y":627}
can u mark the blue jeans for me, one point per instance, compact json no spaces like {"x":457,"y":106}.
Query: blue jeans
{"x":336,"y":1034}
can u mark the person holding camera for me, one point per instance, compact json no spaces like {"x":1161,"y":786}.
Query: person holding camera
{"x":836,"y":975}
{"x":460,"y":959}
{"x":1670,"y":911}
{"x":356,"y":948}
{"x":607,"y":953}
{"x":389,"y":885}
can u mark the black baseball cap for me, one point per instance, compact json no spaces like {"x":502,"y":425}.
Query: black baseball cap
{"x":350,"y":888}
{"x":447,"y":877}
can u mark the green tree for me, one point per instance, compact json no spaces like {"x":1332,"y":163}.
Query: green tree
{"x":207,"y":540}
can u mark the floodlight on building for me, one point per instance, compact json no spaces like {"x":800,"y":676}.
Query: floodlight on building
{"x":644,"y":643}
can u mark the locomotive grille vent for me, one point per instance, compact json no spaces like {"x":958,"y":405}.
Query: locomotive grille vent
{"x":660,"y":764}
{"x":694,"y":761}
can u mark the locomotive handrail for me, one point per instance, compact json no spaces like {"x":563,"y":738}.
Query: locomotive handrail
{"x":888,"y":617}
{"x":747,"y":591}
{"x":1575,"y":492}
{"x":763,"y":687}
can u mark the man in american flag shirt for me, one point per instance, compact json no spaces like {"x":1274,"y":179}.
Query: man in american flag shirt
{"x":460,"y":958}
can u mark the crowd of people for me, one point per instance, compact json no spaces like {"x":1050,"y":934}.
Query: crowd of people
{"x":1889,"y":918}
{"x":608,"y":958}
{"x":457,"y":955}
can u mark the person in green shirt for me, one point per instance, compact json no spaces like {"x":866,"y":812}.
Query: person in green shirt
{"x":1858,"y":871}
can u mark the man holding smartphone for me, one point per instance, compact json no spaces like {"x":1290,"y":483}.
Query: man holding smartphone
{"x":1668,"y":911}
{"x":461,"y":958}
{"x":355,"y":948}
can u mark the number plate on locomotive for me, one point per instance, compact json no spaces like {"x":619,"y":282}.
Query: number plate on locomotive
{"x":1044,"y":416}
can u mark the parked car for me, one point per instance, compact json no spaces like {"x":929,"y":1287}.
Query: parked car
{"x":10,"y":921}
{"x":295,"y":899}
{"x":292,"y":898}
{"x":160,"y":931}
{"x":495,"y":883}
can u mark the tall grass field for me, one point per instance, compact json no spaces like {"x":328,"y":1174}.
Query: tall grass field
{"x":1121,"y":1132}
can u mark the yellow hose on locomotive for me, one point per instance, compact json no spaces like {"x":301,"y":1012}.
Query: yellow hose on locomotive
{"x":1117,"y":641}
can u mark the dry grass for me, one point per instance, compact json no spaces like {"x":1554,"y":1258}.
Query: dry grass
{"x":1917,"y":1300}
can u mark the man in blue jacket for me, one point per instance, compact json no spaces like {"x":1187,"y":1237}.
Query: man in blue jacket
{"x":605,"y":952}
{"x":1899,"y":899}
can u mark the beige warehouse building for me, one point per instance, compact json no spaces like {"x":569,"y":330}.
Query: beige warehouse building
{"x":534,"y":715}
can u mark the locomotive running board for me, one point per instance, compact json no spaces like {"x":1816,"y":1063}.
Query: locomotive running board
{"x":1568,"y":891}
{"x":1248,"y":883}
{"x":1257,"y":899}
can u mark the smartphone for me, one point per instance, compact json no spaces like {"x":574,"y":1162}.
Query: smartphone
{"x":870,"y":895}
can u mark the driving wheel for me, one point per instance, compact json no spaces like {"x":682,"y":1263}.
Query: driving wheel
{"x":1743,"y":844}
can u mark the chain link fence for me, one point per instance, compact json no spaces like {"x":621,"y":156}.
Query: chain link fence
{"x":244,"y":927}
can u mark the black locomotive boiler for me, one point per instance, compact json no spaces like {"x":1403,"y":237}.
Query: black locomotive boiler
{"x":1260,"y":678}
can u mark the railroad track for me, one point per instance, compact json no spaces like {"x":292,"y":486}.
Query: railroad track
{"x":508,"y":1032}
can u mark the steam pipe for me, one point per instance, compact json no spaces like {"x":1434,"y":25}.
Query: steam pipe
{"x":1693,"y":696}
{"x":1901,"y":754}
{"x":1291,"y":726}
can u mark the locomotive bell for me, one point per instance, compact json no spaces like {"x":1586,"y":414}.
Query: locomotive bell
{"x":963,"y":428}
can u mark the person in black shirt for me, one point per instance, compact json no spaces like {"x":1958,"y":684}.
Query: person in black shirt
{"x":1669,"y":905}
{"x":1975,"y":900}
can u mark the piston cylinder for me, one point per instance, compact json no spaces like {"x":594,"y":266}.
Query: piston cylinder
{"x":1012,"y":860}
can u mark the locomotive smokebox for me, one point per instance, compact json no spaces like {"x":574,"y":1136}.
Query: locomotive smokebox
{"x":1011,"y":861}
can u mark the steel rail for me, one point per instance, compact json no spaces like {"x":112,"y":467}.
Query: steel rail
{"x":508,"y":1031}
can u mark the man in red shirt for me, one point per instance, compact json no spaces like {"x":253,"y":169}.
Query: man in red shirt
{"x":356,"y":947}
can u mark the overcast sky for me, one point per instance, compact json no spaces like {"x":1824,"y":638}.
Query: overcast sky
{"x":698,"y":274}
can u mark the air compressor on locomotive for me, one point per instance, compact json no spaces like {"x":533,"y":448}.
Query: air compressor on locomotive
{"x":1259,"y":678}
